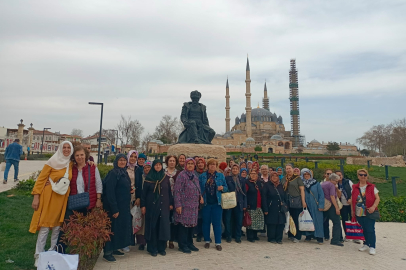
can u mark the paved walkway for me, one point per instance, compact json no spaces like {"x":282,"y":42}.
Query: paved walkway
{"x":26,"y":168}
{"x":391,"y":254}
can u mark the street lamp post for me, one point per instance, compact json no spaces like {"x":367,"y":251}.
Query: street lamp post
{"x":43,"y":134}
{"x":101,"y":125}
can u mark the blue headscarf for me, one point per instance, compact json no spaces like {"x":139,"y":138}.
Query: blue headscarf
{"x":243,"y":169}
{"x":280,"y":176}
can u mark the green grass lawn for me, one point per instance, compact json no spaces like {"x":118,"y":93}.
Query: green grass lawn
{"x":16,"y":243}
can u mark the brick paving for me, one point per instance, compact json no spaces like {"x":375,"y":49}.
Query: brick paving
{"x":25,"y":169}
{"x":391,"y":254}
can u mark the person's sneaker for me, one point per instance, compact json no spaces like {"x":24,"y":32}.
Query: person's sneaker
{"x":109,"y":258}
{"x":337,"y":244}
{"x":125,"y":250}
{"x":162,"y":253}
{"x":4,"y":181}
{"x":364,"y":248}
{"x":141,"y":247}
{"x":372,"y":251}
{"x":16,"y":180}
{"x":193,"y":248}
{"x":295,"y":240}
{"x":238,"y":241}
{"x":153,"y":254}
{"x":118,"y":253}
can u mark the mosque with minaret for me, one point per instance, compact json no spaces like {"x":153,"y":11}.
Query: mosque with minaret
{"x":260,"y":126}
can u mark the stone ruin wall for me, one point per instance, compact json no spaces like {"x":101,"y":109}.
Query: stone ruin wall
{"x":376,"y":161}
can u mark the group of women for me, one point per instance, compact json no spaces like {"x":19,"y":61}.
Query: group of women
{"x":183,"y":199}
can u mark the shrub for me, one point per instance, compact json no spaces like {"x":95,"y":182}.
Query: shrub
{"x":86,"y":235}
{"x":258,"y":148}
{"x":28,"y":185}
{"x":104,"y":169}
{"x":393,"y":209}
{"x":111,"y":159}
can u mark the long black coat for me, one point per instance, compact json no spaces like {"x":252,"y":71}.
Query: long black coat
{"x":116,"y":198}
{"x":157,"y":208}
{"x":138,"y":181}
{"x":252,"y":195}
{"x":271,"y":203}
{"x":241,"y":198}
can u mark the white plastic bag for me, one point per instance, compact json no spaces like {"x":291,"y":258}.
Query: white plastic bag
{"x":137,"y":218}
{"x":286,"y":230}
{"x":57,"y":261}
{"x":306,"y":221}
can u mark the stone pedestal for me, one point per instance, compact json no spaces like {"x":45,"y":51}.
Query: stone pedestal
{"x":202,"y":150}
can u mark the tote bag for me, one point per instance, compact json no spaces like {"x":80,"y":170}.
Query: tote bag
{"x":57,"y":261}
{"x":228,"y":200}
{"x":353,"y":230}
{"x":305,"y":221}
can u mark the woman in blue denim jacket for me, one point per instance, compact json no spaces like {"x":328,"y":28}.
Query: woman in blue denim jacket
{"x":212,"y":184}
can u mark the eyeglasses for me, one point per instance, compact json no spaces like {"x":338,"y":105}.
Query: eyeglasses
{"x":362,"y":174}
{"x":328,"y":173}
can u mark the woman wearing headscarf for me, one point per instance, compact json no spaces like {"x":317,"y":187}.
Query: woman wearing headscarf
{"x":296,"y":171}
{"x":227,"y":172}
{"x":249,"y":165}
{"x":132,"y":158}
{"x":293,"y":185}
{"x":171,"y":171}
{"x":244,"y":173}
{"x":235,"y":183}
{"x":255,"y":166}
{"x":187,"y":197}
{"x":116,"y":198}
{"x":140,"y":234}
{"x":181,"y":162}
{"x":139,"y":171}
{"x":212,"y":183}
{"x":273,"y":200}
{"x":156,"y":204}
{"x":279,"y":171}
{"x":315,"y":204}
{"x":200,"y":169}
{"x":243,"y":165}
{"x":222,"y":167}
{"x":49,"y":206}
{"x":254,"y":206}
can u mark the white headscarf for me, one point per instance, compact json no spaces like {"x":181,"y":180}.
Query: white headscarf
{"x":58,"y":161}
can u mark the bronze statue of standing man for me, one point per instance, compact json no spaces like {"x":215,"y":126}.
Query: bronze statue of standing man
{"x":194,"y":118}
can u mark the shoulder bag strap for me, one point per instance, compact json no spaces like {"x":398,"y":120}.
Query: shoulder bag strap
{"x":278,"y":193}
{"x":314,"y":197}
{"x":195,"y":186}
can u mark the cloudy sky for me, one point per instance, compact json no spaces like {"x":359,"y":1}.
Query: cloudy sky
{"x":143,"y":58}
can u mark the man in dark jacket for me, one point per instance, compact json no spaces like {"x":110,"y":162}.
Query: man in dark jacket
{"x":12,"y":157}
{"x":235,"y":184}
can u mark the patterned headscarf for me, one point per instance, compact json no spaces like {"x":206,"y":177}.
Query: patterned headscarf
{"x":187,"y":160}
{"x":199,"y":170}
{"x":307,"y":182}
{"x":131,"y":165}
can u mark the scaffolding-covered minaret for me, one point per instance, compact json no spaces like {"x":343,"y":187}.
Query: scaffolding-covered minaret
{"x":227,"y":107}
{"x":265,"y":100}
{"x":294,"y":104}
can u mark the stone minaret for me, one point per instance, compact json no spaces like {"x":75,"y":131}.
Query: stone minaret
{"x":227,"y":108}
{"x":265,"y":100}
{"x":248,"y":99}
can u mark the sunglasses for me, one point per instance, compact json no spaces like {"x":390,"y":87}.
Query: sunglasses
{"x":362,"y":174}
{"x":328,"y":173}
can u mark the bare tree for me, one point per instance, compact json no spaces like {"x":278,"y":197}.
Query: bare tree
{"x":77,"y":132}
{"x":129,"y":131}
{"x":145,"y":140}
{"x":168,"y":129}
{"x":111,"y":135}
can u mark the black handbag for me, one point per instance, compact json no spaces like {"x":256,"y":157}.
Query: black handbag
{"x":82,"y":200}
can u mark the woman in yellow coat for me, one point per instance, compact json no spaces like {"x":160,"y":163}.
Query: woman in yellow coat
{"x":49,"y":207}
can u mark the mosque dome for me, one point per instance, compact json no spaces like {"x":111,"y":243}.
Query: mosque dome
{"x":315,"y":141}
{"x":250,"y":140}
{"x":276,"y":137}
